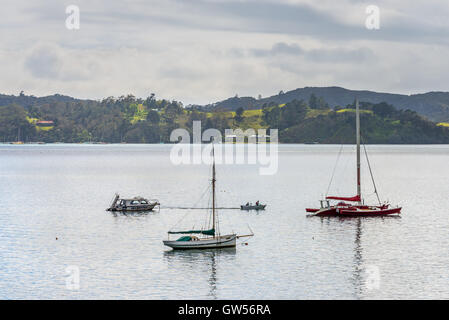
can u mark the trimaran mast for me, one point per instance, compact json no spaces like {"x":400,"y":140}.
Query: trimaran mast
{"x":213,"y":189}
{"x":357,"y":124}
{"x":357,"y":128}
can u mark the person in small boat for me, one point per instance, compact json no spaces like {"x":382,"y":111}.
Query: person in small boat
{"x":257,"y":202}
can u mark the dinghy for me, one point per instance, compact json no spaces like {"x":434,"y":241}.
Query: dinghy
{"x":253,"y":207}
{"x":354,"y":206}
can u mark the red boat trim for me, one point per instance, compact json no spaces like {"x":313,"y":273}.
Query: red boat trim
{"x":355,"y":198}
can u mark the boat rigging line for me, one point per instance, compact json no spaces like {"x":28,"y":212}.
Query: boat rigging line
{"x":371,"y":173}
{"x":201,"y":198}
{"x":333,"y":171}
{"x":204,"y":208}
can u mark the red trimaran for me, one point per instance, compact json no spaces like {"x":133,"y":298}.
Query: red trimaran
{"x":354,"y":206}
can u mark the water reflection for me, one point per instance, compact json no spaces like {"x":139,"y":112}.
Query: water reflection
{"x":116,"y":214}
{"x":358,"y":260}
{"x":205,"y":257}
{"x":360,"y":271}
{"x":336,"y":253}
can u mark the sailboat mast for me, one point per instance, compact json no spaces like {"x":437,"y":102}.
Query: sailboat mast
{"x":213,"y":188}
{"x":357,"y":128}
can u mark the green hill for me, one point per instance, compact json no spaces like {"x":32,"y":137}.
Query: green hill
{"x":131,"y":120}
{"x":381,"y":124}
{"x":432,"y":105}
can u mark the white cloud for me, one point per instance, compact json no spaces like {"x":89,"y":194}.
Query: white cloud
{"x":203,"y":51}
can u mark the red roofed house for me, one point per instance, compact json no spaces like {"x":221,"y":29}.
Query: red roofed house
{"x":43,"y":123}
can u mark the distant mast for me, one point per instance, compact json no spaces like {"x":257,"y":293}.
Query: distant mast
{"x":357,"y":128}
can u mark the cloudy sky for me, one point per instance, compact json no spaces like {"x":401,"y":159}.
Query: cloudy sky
{"x":201,"y":51}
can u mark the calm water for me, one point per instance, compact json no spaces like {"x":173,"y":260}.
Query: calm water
{"x":62,"y":191}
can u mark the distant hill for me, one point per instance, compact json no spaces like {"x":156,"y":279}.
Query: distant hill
{"x":28,"y":101}
{"x":129,"y":119}
{"x":432,"y":105}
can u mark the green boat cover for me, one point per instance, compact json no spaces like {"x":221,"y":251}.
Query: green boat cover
{"x":185,"y":238}
{"x":210,"y":232}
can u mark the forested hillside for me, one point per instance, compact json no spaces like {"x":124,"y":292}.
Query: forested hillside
{"x":432,"y":105}
{"x":128,"y":119}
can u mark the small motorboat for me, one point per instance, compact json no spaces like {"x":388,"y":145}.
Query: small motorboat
{"x":134,"y":204}
{"x":253,"y":207}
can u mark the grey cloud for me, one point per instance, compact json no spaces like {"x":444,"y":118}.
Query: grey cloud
{"x":278,"y":49}
{"x":247,"y":16}
{"x":236,"y":52}
{"x":43,"y":63}
{"x":302,"y":19}
{"x":226,"y":46}
{"x":317,"y":55}
{"x":47,"y":61}
{"x":340,"y":55}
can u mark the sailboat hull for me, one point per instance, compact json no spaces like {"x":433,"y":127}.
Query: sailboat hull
{"x":207,"y":243}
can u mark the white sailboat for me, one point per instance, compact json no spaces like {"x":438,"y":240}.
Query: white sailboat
{"x":209,"y":238}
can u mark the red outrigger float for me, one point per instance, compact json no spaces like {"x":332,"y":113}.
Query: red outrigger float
{"x":356,"y":206}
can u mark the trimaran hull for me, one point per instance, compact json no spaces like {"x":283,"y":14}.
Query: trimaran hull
{"x":207,"y":243}
{"x":354,"y":211}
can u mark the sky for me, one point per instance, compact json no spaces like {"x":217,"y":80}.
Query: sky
{"x":203,"y":51}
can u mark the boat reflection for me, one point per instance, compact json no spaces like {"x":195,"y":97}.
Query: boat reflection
{"x":365,"y":276}
{"x":343,"y":218}
{"x":358,"y":261}
{"x":210,"y":258}
{"x":116,"y":214}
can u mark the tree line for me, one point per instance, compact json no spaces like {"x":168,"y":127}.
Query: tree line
{"x":128,"y":119}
